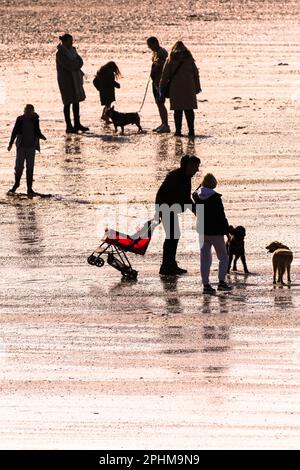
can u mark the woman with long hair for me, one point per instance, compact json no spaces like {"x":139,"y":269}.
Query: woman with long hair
{"x":181,"y":76}
{"x":105,"y":82}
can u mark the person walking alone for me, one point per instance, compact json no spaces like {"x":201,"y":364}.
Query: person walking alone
{"x":159,"y":58}
{"x":180,"y":74}
{"x":70,"y":82}
{"x":27,"y":134}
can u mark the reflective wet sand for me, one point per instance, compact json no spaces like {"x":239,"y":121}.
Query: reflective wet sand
{"x":88,"y":361}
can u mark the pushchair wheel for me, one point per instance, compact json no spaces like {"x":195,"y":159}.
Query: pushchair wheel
{"x":91,"y":260}
{"x":99,"y":262}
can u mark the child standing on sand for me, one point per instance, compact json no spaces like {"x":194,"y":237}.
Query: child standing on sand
{"x":215,"y":227}
{"x":105,"y":82}
{"x":28,"y":134}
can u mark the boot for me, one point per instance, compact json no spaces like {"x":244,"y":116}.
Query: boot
{"x":77,"y":125}
{"x":69,"y":129}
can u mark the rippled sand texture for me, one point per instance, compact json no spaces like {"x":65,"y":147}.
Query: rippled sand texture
{"x":87,"y":361}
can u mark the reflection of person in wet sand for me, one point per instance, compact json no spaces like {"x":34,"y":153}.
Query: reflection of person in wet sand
{"x":27,"y":134}
{"x":171,"y":297}
{"x":30,"y":235}
{"x":174,"y":197}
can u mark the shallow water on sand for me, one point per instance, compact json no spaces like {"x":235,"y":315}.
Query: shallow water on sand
{"x":88,"y":361}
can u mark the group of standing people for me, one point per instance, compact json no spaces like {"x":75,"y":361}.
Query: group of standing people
{"x":174,"y":76}
{"x":174,"y":197}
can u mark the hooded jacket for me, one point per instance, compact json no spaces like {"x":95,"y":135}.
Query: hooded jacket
{"x":17,"y":131}
{"x":215,"y":221}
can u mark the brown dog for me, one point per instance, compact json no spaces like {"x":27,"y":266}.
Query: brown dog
{"x":282,"y":258}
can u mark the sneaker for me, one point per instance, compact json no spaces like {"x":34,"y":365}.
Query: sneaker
{"x":157,"y":129}
{"x":224,"y":286}
{"x":178,"y":134}
{"x":180,"y":270}
{"x":208,"y":289}
{"x":163,"y":129}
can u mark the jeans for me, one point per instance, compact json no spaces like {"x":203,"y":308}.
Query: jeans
{"x":28,"y":155}
{"x":190,"y":119}
{"x":217,"y":241}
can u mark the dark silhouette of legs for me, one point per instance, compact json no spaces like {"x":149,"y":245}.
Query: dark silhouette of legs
{"x":19,"y":167}
{"x":29,"y":155}
{"x":178,"y":113}
{"x":77,"y":125}
{"x":68,"y":118}
{"x":171,"y":227}
{"x":190,"y":119}
{"x":163,"y":114}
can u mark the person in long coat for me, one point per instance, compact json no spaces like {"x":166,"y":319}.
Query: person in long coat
{"x":70,"y":81}
{"x":181,"y":74}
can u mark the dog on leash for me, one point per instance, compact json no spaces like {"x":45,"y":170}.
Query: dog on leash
{"x":282,"y":259}
{"x":123,"y":119}
{"x":236,"y":247}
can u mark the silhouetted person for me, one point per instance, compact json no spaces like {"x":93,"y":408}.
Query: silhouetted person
{"x":27,"y":134}
{"x":70,"y":81}
{"x":159,"y":58}
{"x":174,"y":197}
{"x":182,"y":75}
{"x":215,"y":227}
{"x":105,"y":82}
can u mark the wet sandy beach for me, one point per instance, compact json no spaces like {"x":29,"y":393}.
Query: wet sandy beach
{"x":88,"y":361}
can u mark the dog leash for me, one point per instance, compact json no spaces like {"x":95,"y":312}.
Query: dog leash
{"x":145,"y":94}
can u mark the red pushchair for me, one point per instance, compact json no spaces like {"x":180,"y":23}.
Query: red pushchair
{"x":115,"y":245}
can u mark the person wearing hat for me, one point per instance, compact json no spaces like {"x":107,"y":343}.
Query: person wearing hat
{"x":174,"y":197}
{"x":215,"y":226}
{"x":70,"y":82}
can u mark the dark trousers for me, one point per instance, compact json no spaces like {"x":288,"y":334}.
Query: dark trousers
{"x":24,"y":155}
{"x":190,"y":119}
{"x":67,"y":113}
{"x":171,"y":227}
